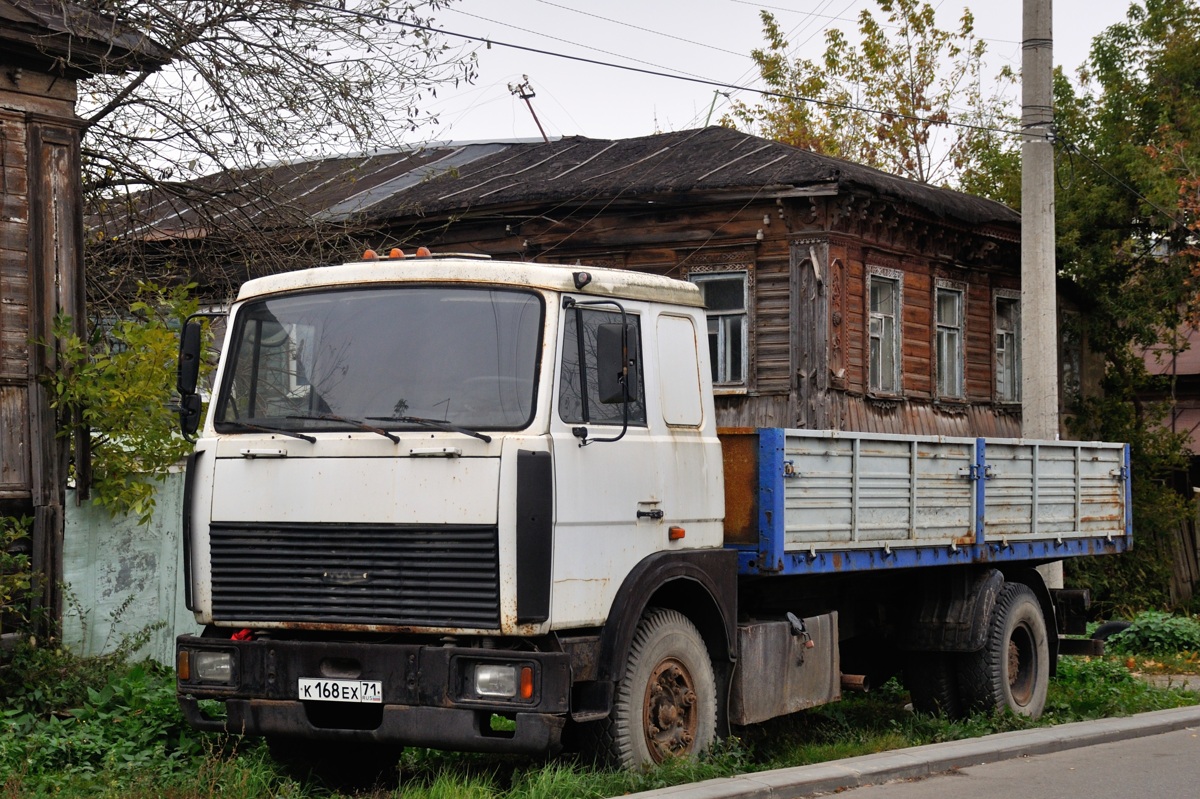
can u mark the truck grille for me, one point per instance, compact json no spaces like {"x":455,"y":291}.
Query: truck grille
{"x":379,"y":575}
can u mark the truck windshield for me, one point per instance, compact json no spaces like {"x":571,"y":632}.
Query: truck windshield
{"x":463,"y":356}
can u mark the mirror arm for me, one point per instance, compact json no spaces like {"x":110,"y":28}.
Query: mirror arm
{"x":581,"y":432}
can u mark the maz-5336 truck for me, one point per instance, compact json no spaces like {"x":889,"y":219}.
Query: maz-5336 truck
{"x":476,"y":505}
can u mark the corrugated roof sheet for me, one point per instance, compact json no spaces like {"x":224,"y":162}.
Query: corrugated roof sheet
{"x":451,"y":179}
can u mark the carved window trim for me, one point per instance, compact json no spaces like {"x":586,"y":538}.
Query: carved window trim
{"x":998,"y":348}
{"x":949,"y":333}
{"x":731,"y":263}
{"x":893,"y":386}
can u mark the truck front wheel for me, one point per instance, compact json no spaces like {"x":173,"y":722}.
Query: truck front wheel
{"x":666,"y":702}
{"x":1012,"y":671}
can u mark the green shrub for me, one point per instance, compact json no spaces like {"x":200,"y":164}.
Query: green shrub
{"x":1094,"y":688}
{"x":16,"y":578}
{"x":1156,"y":633}
{"x":119,"y":383}
{"x":66,"y":720}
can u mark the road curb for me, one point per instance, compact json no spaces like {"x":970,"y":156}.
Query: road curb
{"x":923,"y":761}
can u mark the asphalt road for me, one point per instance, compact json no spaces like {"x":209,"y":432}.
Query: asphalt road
{"x":1163,"y":766}
{"x":1152,"y":755}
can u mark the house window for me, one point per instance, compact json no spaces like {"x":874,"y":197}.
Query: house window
{"x":1008,"y":349}
{"x":725,"y":300}
{"x":884,"y":358}
{"x":949,"y":310}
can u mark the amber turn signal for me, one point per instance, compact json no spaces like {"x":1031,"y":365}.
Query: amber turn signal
{"x":675,"y":533}
{"x":527,"y":682}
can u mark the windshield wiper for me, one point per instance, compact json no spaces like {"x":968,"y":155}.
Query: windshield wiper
{"x":258,"y":428}
{"x":361,"y":425}
{"x":436,"y":424}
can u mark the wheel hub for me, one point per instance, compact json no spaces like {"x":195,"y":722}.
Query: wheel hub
{"x":669,"y":713}
{"x":1022,"y":665}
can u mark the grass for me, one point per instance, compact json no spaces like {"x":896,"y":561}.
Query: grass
{"x":105,"y":727}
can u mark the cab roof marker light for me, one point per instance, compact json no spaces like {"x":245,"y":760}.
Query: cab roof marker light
{"x":396,"y":253}
{"x":370,"y":255}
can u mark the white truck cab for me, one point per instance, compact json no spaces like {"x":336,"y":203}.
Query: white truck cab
{"x":441,"y":448}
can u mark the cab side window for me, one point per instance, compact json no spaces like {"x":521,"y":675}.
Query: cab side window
{"x":577,"y":405}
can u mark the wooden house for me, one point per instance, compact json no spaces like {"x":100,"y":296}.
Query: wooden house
{"x":839,"y":296}
{"x":46,"y":47}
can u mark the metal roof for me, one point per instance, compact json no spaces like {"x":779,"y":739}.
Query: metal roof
{"x":450,"y":180}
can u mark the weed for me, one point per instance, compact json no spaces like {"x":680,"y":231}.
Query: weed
{"x":1092,"y":688}
{"x":1156,"y":633}
{"x":96,"y":727}
{"x":73,"y":722}
{"x":16,"y":578}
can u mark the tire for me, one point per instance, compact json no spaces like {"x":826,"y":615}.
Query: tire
{"x":666,"y":701}
{"x":1012,"y":671}
{"x":932,"y":682}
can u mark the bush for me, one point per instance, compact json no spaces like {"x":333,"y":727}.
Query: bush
{"x":1156,"y":633}
{"x":66,"y":720}
{"x":1095,"y":688}
{"x":119,"y":383}
{"x":16,"y":578}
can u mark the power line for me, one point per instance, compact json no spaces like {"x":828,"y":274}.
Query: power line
{"x":658,"y":74}
{"x":564,"y":41}
{"x":636,"y":28}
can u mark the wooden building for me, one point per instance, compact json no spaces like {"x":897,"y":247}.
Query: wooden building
{"x":45,"y":48}
{"x":840,"y":296}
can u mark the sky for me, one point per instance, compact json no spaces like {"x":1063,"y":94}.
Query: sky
{"x":711,"y":39}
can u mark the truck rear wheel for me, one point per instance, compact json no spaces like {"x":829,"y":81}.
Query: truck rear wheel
{"x":932,"y":683}
{"x":1012,"y":671}
{"x":666,"y":702}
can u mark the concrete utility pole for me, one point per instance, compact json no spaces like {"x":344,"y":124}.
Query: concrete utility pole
{"x":1039,"y":311}
{"x":1039,"y":317}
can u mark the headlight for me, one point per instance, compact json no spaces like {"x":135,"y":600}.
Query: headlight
{"x":213,"y":667}
{"x":495,"y":680}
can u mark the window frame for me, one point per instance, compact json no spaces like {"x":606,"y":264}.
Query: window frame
{"x":700,"y":275}
{"x":569,"y":367}
{"x":1013,"y":298}
{"x":896,"y":387}
{"x":955,"y":393}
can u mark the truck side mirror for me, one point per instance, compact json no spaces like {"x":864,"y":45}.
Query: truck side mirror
{"x":189,"y":414}
{"x":187,"y":373}
{"x":616,"y":362}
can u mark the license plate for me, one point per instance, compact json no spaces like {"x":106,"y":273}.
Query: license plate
{"x":370,"y":691}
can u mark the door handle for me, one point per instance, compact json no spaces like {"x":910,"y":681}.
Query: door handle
{"x":655,"y":514}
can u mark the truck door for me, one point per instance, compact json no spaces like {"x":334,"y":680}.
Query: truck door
{"x":608,"y":494}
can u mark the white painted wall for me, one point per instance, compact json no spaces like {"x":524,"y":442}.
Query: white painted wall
{"x":108,"y":562}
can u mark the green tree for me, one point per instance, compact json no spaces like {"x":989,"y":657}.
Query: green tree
{"x":120,"y":383}
{"x":887,"y":102}
{"x":1126,"y":215}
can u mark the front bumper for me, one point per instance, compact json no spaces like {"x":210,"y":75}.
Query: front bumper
{"x":426,"y":694}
